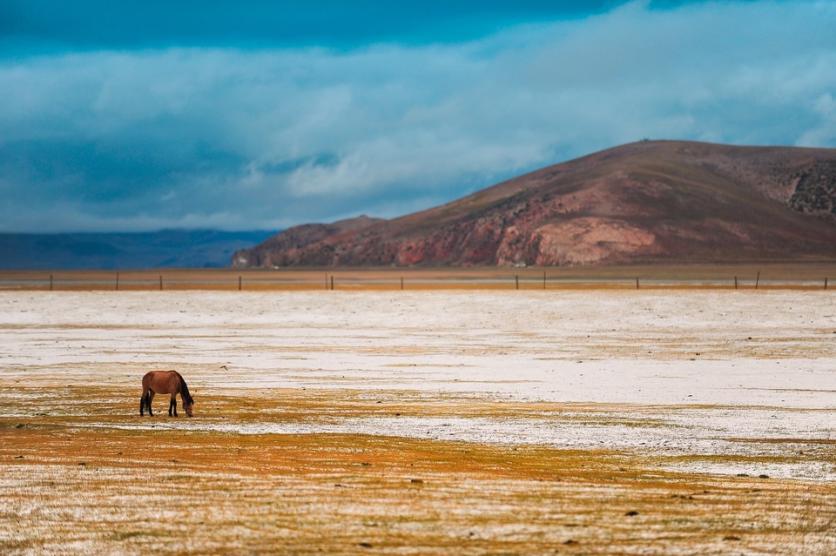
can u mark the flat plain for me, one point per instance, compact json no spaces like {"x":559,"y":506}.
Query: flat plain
{"x":809,"y":275}
{"x":589,"y":421}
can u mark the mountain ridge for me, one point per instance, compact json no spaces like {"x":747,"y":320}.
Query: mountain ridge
{"x":122,"y":250}
{"x":650,"y":201}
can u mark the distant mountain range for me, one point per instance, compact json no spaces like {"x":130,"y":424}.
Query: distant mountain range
{"x":645,"y":202}
{"x":166,"y":248}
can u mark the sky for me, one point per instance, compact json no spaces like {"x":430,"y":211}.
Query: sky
{"x":141,"y":115}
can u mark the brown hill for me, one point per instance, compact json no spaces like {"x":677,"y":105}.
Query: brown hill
{"x":665,"y":201}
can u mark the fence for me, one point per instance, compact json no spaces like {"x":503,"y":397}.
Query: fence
{"x":490,"y":279}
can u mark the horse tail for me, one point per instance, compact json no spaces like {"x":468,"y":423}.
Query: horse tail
{"x":184,"y":389}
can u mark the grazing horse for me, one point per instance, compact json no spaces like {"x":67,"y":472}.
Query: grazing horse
{"x":165,"y":382}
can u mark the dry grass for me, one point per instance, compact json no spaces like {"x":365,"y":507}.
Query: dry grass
{"x":67,"y":486}
{"x":344,"y":461}
{"x":790,"y":275}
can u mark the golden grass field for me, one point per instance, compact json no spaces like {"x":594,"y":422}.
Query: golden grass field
{"x":108,"y":489}
{"x":481,"y":422}
{"x":795,"y":275}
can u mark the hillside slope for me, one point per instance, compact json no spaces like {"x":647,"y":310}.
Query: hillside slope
{"x":106,"y":250}
{"x":665,"y":201}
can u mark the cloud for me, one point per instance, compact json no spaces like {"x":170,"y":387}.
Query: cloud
{"x":270,"y":137}
{"x":102,"y":24}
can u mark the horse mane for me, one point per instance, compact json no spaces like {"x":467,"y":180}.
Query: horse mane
{"x":184,"y":389}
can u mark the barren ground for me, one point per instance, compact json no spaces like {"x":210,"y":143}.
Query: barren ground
{"x":589,"y":421}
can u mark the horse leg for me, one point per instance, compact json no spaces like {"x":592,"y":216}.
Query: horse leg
{"x":172,"y":407}
{"x":142,"y":404}
{"x":150,"y":400}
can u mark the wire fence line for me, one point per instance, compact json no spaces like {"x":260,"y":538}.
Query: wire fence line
{"x":386,"y":280}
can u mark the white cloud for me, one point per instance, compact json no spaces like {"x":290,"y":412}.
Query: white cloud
{"x":262,"y":138}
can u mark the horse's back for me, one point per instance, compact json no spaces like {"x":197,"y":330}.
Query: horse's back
{"x":158,"y":381}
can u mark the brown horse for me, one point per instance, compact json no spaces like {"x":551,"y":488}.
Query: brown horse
{"x":165,"y":382}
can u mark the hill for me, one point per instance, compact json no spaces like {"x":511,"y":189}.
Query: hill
{"x":652,"y":201}
{"x":166,"y":248}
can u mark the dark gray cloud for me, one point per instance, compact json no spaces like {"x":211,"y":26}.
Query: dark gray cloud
{"x":105,"y":24}
{"x":263,"y":138}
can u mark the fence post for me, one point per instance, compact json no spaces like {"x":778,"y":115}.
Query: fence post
{"x":757,"y":279}
{"x":544,"y":279}
{"x":517,"y":281}
{"x":637,"y":283}
{"x":735,"y":282}
{"x":401,"y":282}
{"x":117,"y":281}
{"x":239,"y":282}
{"x":161,"y":282}
{"x":50,"y":282}
{"x":825,"y":282}
{"x":332,"y":283}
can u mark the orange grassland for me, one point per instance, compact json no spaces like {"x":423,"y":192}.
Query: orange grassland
{"x":185,"y":491}
{"x":790,"y":275}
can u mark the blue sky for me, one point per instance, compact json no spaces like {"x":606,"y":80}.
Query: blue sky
{"x":139,"y":115}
